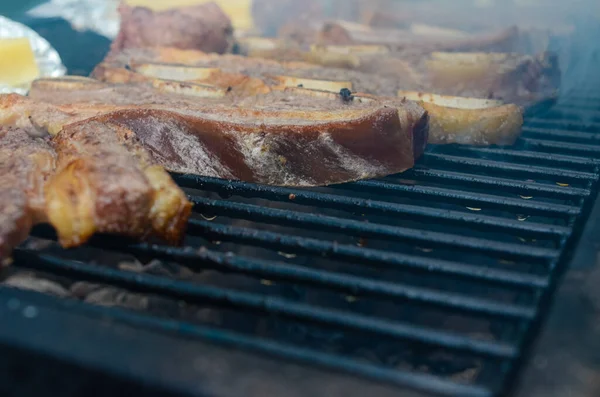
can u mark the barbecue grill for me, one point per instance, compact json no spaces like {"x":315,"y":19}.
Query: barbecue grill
{"x":434,"y":281}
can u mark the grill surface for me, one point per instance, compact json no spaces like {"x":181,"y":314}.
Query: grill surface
{"x":435,"y":280}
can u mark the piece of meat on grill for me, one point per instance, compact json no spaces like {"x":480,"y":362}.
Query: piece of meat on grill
{"x":25,"y":165}
{"x":273,"y":138}
{"x":414,"y":40}
{"x":106,"y":183}
{"x":470,"y":121}
{"x":520,"y":79}
{"x":204,"y":27}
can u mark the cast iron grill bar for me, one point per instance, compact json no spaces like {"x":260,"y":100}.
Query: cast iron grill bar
{"x":573,"y":114}
{"x":203,"y":259}
{"x":398,"y":377}
{"x":560,"y":135}
{"x":563,"y":125}
{"x":527,"y":170}
{"x":466,"y":198}
{"x":582,"y":106}
{"x":430,"y":239}
{"x":542,"y":144}
{"x":201,"y":294}
{"x":508,"y":185}
{"x":537,"y":157}
{"x":359,"y":205}
{"x":366,"y":256}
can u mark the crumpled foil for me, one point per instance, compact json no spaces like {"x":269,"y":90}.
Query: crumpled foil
{"x":48,"y":60}
{"x":100,"y":16}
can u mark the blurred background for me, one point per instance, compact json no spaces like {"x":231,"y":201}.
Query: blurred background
{"x":81,"y":30}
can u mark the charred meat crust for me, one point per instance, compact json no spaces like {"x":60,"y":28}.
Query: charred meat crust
{"x":25,"y":165}
{"x":106,"y":183}
{"x":374,"y":144}
{"x":97,"y":186}
{"x":272,"y":138}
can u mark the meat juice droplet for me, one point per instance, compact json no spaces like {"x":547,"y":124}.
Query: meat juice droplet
{"x":208,"y":218}
{"x":474,"y":209}
{"x":286,"y":255}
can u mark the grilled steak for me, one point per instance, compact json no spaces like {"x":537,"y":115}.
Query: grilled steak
{"x":105,"y":183}
{"x":520,"y":79}
{"x":413,"y":40}
{"x":478,"y":122}
{"x":25,"y":165}
{"x":204,"y":27}
{"x":271,"y":138}
{"x":92,"y":177}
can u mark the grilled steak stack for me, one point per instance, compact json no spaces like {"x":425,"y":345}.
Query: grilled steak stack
{"x":334,"y":103}
{"x":480,"y":122}
{"x":91,"y":177}
{"x":271,"y":138}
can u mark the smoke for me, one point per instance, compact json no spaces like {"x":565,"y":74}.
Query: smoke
{"x":569,"y":28}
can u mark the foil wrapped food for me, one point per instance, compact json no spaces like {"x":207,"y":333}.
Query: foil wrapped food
{"x":99,"y":16}
{"x":48,"y":60}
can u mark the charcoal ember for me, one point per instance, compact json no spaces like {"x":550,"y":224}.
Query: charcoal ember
{"x":38,"y":244}
{"x":157,"y":268}
{"x":131,"y":266}
{"x":445,"y":364}
{"x":81,"y":289}
{"x":110,"y":296}
{"x":29,"y":281}
{"x":468,"y":375}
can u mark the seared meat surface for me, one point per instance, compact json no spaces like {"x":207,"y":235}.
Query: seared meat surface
{"x":92,"y":177}
{"x":203,"y":27}
{"x":25,"y":165}
{"x":270,"y":138}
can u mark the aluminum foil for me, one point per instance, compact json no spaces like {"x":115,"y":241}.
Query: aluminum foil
{"x":48,"y":60}
{"x":100,"y":16}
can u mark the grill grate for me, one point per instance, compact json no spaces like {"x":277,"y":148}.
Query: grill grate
{"x":447,"y":268}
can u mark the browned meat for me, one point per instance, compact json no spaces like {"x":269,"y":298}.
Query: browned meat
{"x":520,"y":79}
{"x":91,"y":177}
{"x":25,"y":165}
{"x":106,"y":183}
{"x":271,"y":138}
{"x":255,"y":67}
{"x":203,"y":27}
{"x":452,"y":119}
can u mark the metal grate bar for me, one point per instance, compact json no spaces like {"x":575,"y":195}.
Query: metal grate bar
{"x":357,"y":205}
{"x":203,"y":294}
{"x":508,"y":185}
{"x":368,"y":257}
{"x":431,"y":239}
{"x":582,"y":105}
{"x":574,"y":114}
{"x":562,"y":146}
{"x":394,"y":376}
{"x":202,"y":259}
{"x":466,"y":198}
{"x":563,"y":125}
{"x":526,"y":170}
{"x":555,"y":160}
{"x":583,"y":137}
